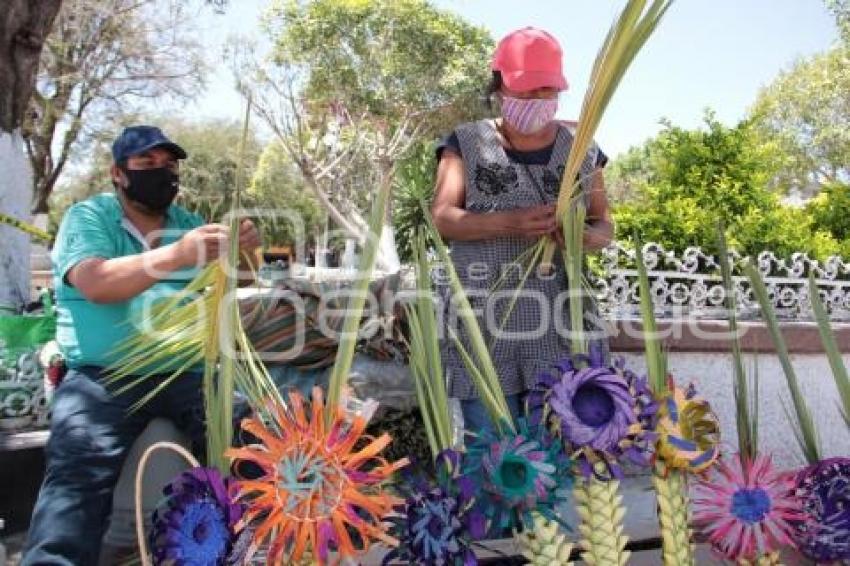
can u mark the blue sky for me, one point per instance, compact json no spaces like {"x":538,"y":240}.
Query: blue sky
{"x":707,"y":53}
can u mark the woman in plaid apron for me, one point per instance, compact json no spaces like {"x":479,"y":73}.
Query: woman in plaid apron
{"x":497,"y":187}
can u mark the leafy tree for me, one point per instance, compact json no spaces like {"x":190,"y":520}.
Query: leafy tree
{"x":388,"y":60}
{"x":362,"y":82}
{"x":101,"y":56}
{"x":805,"y":115}
{"x":625,"y":174}
{"x":208,"y":175}
{"x":24,"y":27}
{"x":688,"y":180}
{"x":276,"y":185}
{"x":841,"y":11}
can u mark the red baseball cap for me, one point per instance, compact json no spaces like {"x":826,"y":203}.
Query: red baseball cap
{"x":530,"y":58}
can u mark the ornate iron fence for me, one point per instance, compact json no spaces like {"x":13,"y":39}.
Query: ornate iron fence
{"x":690,"y":284}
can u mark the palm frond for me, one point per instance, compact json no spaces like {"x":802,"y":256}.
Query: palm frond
{"x":626,"y":37}
{"x":533,"y":258}
{"x":624,"y":40}
{"x":804,"y":426}
{"x":357,"y":300}
{"x":747,"y":424}
{"x":573,"y":264}
{"x":425,"y":362}
{"x":839,"y":370}
{"x":656,"y":361}
{"x":526,"y":259}
{"x":754,"y":406}
{"x":479,"y":364}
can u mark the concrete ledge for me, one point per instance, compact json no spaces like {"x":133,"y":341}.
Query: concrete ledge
{"x":696,"y":335}
{"x":24,"y":440}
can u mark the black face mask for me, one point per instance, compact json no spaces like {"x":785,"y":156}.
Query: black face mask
{"x":154,"y":188}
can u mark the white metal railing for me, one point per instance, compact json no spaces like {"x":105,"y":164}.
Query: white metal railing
{"x":690,"y":284}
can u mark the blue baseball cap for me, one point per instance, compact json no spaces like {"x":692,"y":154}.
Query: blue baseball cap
{"x":138,"y":139}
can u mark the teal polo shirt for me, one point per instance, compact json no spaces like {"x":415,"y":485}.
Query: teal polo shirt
{"x":87,"y":332}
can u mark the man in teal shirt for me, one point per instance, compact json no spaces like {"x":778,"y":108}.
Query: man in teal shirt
{"x":115,"y":254}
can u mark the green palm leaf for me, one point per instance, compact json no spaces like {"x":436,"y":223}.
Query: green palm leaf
{"x":839,"y":370}
{"x":478,"y":363}
{"x":425,"y":362}
{"x":357,"y":301}
{"x":804,"y":426}
{"x":624,"y":40}
{"x":656,"y":361}
{"x":746,"y":418}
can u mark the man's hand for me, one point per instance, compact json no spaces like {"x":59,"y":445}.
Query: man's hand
{"x":202,"y":245}
{"x":249,"y":236}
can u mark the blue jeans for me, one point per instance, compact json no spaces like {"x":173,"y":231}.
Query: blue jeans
{"x":477,"y":420}
{"x":91,"y":432}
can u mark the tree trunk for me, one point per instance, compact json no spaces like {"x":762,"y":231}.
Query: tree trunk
{"x":388,"y":259}
{"x":23,"y":29}
{"x":15,"y":200}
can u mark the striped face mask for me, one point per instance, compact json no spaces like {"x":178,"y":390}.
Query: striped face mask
{"x":528,"y":115}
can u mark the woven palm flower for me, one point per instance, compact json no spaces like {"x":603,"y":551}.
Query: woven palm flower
{"x":747,"y":508}
{"x":196,"y":521}
{"x":602,"y":413}
{"x":433,"y":525}
{"x":318,"y":487}
{"x":824,"y":492}
{"x":514,"y":475}
{"x":688,"y":431}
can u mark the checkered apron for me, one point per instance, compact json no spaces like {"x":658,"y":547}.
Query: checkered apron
{"x":534,"y":335}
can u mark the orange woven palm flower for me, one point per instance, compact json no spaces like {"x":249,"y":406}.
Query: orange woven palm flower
{"x":320,"y":485}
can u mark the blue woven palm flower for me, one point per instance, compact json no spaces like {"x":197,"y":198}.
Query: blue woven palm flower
{"x":600,"y":412}
{"x":195,"y":523}
{"x":515,"y":475}
{"x":432,"y":526}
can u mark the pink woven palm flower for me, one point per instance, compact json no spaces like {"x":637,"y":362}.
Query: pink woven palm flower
{"x":747,"y":508}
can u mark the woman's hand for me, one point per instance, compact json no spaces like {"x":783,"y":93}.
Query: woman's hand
{"x":532,"y":222}
{"x":598,"y":234}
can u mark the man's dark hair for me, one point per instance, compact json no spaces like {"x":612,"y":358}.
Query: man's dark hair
{"x":121,"y":165}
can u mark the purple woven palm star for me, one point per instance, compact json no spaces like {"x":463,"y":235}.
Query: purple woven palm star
{"x":824,"y":492}
{"x":195,"y":523}
{"x":433,"y":525}
{"x":600,"y":412}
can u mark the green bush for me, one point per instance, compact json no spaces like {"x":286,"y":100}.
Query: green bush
{"x":830,"y":210}
{"x":683,"y":182}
